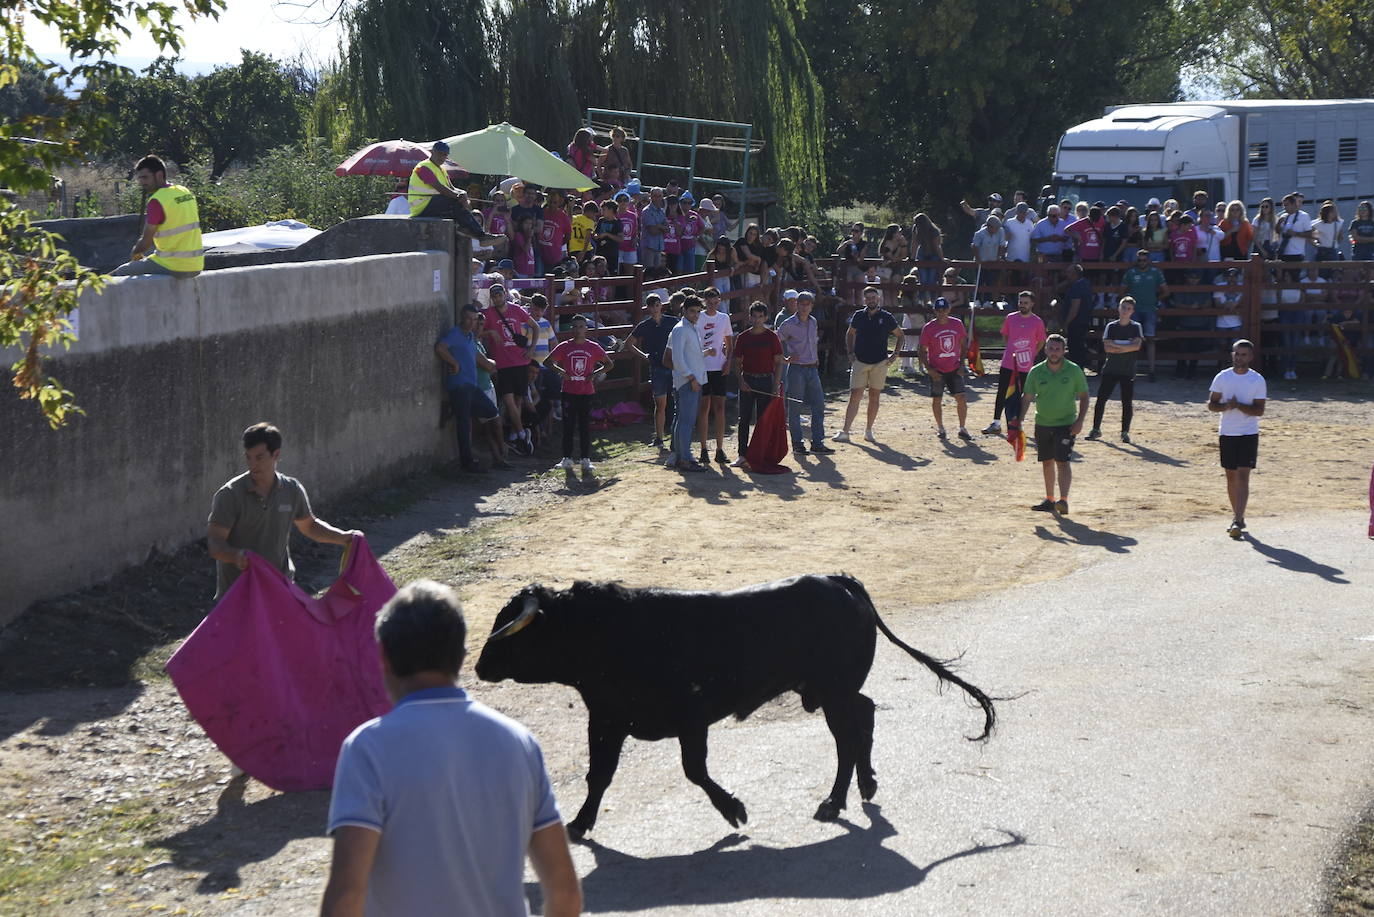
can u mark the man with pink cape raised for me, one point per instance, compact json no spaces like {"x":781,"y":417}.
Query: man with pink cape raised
{"x":275,"y":677}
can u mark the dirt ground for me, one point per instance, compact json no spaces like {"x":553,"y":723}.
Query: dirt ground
{"x":112,"y":799}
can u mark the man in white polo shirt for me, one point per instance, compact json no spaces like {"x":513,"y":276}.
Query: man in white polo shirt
{"x":437,"y":804}
{"x":1238,"y":394}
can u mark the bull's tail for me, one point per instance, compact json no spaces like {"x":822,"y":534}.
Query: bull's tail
{"x":939,"y":667}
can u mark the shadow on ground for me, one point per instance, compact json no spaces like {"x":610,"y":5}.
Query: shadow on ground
{"x":851,"y":865}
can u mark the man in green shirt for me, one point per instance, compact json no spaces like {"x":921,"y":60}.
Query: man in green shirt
{"x":1054,"y":386}
{"x":1144,"y":283}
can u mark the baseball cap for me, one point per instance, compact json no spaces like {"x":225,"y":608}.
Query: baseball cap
{"x":1022,"y":207}
{"x":805,"y":294}
{"x":1153,"y":202}
{"x":505,"y":265}
{"x":789,"y":294}
{"x":622,"y":196}
{"x":687,"y":198}
{"x":994,"y":196}
{"x":439,"y":147}
{"x":941,"y":302}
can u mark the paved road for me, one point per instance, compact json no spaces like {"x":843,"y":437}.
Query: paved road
{"x":1192,"y":737}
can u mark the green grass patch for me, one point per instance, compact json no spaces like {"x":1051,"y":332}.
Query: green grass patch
{"x":1353,"y":880}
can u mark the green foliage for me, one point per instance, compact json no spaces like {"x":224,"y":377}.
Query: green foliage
{"x":34,"y":300}
{"x":232,"y":113}
{"x":32,"y":93}
{"x":1285,"y":49}
{"x":931,"y":101}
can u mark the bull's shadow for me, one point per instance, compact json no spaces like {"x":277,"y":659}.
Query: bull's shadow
{"x":852,"y":865}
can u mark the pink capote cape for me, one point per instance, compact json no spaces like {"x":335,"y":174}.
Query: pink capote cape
{"x":278,"y":679}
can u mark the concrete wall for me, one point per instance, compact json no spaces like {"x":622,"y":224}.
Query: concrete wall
{"x":336,"y":353}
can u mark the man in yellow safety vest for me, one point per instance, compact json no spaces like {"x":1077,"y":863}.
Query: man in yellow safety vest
{"x":431,"y":194}
{"x":170,"y":244}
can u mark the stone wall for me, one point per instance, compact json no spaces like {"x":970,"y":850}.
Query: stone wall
{"x":336,"y":353}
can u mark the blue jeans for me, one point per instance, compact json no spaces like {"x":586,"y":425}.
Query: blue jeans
{"x":468,"y":402}
{"x":804,"y":385}
{"x":684,"y":425}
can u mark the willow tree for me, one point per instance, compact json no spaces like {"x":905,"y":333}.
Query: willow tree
{"x":419,"y":68}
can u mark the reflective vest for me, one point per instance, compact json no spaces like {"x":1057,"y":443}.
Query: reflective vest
{"x":419,"y":192}
{"x":177,"y":241}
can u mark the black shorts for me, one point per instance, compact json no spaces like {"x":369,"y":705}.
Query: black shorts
{"x":1053,"y":443}
{"x":715,"y":383}
{"x":952,"y":382}
{"x":512,"y":380}
{"x":1239,"y":451}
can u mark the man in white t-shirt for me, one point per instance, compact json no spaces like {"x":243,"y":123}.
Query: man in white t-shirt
{"x":1238,"y":394}
{"x":1018,"y":228}
{"x":1295,"y":231}
{"x":717,"y":336}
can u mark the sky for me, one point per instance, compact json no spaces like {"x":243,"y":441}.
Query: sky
{"x":275,"y":27}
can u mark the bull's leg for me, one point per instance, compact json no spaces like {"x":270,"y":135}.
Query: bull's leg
{"x":604,"y":743}
{"x":868,"y":778}
{"x":840,"y":716}
{"x":693,"y":742}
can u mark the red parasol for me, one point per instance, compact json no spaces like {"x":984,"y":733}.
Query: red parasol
{"x":392,"y":157}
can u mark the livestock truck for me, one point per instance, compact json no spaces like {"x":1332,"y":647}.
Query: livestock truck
{"x":1245,"y":150}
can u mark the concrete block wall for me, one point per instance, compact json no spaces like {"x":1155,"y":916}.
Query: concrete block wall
{"x":338,"y":354}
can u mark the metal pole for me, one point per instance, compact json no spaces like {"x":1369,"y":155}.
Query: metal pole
{"x":744,"y":180}
{"x":692,"y":161}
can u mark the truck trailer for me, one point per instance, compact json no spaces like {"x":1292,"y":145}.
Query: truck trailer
{"x":1243,"y":150}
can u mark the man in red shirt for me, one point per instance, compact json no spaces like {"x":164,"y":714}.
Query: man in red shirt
{"x":758,"y":366}
{"x":578,"y":360}
{"x":941,"y":353}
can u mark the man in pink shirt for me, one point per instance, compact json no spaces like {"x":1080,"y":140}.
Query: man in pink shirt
{"x":1087,"y":235}
{"x":941,"y":353}
{"x":629,"y":231}
{"x":510,"y":335}
{"x":1024,"y":332}
{"x":578,"y":360}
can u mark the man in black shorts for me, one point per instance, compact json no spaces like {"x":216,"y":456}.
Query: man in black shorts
{"x":941,"y":351}
{"x":1238,"y":394}
{"x":717,"y":336}
{"x":1055,"y":385}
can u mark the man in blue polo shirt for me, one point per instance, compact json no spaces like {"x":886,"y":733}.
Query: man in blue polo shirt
{"x":458,"y":351}
{"x":437,"y":804}
{"x":866,"y":342}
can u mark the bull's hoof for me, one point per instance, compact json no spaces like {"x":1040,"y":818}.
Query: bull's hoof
{"x":868,"y":786}
{"x":829,"y":810}
{"x":734,"y":813}
{"x":578,"y":828}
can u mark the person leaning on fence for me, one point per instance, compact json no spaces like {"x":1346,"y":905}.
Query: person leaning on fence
{"x":171,"y":242}
{"x":649,"y":340}
{"x":758,"y":367}
{"x":457,"y":349}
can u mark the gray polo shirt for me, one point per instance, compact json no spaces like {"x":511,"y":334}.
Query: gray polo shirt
{"x":799,"y":340}
{"x":259,"y":524}
{"x":455,"y":790}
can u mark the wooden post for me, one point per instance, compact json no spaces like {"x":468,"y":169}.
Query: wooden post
{"x":636,"y":315}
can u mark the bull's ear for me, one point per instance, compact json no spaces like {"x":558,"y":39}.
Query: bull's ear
{"x":527,"y":614}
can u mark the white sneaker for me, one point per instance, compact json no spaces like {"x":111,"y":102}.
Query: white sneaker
{"x":992,"y":429}
{"x":566,"y":464}
{"x":841,"y":437}
{"x":868,"y":435}
{"x":587,"y":465}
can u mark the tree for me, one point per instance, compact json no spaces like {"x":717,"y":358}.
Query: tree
{"x":34,"y":300}
{"x":935,"y":100}
{"x":32,"y":93}
{"x":1284,"y":49}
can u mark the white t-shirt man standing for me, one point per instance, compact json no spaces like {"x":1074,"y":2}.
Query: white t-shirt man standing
{"x":1238,"y":394}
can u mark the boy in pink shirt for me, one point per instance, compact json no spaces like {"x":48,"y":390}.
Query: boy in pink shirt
{"x":941,"y":352}
{"x":578,"y":360}
{"x":1024,"y":332}
{"x":629,"y":231}
{"x":554,"y":231}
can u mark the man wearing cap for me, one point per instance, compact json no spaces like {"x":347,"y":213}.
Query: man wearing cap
{"x":1054,"y":386}
{"x":866,"y":344}
{"x":1049,"y":237}
{"x":1144,"y":283}
{"x":706,"y":238}
{"x":789,"y":308}
{"x":648,"y":340}
{"x":800,"y":336}
{"x":941,"y":352}
{"x":430,"y":192}
{"x":980,"y":215}
{"x":653,"y":220}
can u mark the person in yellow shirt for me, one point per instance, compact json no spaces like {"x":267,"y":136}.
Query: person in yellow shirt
{"x":583,"y":225}
{"x":170,"y":244}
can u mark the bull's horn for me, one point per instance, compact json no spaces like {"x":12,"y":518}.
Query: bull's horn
{"x":520,"y":623}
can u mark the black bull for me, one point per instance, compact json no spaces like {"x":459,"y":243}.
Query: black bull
{"x":653,"y":663}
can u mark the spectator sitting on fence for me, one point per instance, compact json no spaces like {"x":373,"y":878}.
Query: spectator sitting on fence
{"x":851,"y":268}
{"x":749,"y":254}
{"x":794,"y":268}
{"x":583,"y":152}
